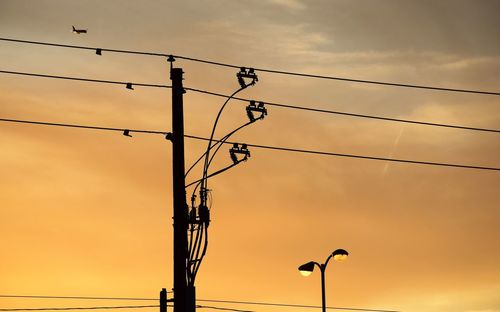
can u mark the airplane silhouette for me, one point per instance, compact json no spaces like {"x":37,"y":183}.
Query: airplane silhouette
{"x":79,"y":31}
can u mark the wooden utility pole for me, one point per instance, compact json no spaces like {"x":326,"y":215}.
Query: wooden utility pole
{"x":163,"y":300}
{"x":181,"y":297}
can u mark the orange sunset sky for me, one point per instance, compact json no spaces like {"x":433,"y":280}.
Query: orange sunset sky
{"x":88,"y":213}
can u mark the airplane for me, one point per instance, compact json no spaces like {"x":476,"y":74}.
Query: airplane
{"x":79,"y":31}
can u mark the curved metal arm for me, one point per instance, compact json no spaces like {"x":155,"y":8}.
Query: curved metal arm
{"x":214,"y":173}
{"x":194,"y":257}
{"x":328,"y":260}
{"x":220,"y":142}
{"x":207,"y":153}
{"x":319,"y":265}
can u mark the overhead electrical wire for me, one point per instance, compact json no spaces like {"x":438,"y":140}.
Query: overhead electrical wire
{"x":214,"y":127}
{"x":213,"y":173}
{"x":79,"y":308}
{"x":77,"y":297}
{"x":86,"y":79}
{"x":82,"y":47}
{"x":327,"y":111}
{"x":82,"y":126}
{"x":195,"y":258}
{"x":294,"y":305}
{"x":121,"y":307}
{"x":129,"y":85}
{"x":199,"y":219}
{"x":272,"y":71}
{"x":223,"y":309}
{"x":115,"y":307}
{"x":220,"y":144}
{"x":286,"y":149}
{"x":383,"y":83}
{"x":312,"y":109}
{"x":208,"y":300}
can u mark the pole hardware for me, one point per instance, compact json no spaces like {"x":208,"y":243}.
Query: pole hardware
{"x":236,"y":149}
{"x":246,"y":73}
{"x":251,"y":108}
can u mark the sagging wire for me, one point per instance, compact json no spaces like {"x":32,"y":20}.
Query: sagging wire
{"x":199,"y":257}
{"x":199,"y":227}
{"x":224,"y":139}
{"x":219,"y":144}
{"x":251,"y":108}
{"x":232,"y":151}
{"x":244,"y":73}
{"x":204,"y":230}
{"x":235,"y":162}
{"x":199,"y":216}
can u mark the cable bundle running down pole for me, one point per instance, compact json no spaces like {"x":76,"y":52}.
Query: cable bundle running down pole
{"x":199,"y":215}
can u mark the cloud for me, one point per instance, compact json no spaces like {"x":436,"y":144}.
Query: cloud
{"x":294,"y":5}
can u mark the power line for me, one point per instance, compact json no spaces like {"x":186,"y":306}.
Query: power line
{"x":82,"y":47}
{"x":294,"y":305}
{"x":76,"y":297}
{"x":286,"y":149}
{"x":115,"y":307}
{"x":281,"y":72}
{"x":84,"y":127}
{"x":223,"y":309}
{"x":128,"y":84}
{"x":350,"y":114}
{"x":79,"y":308}
{"x":383,"y":83}
{"x":268,"y":103}
{"x":202,"y":300}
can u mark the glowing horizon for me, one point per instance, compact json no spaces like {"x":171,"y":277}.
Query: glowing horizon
{"x":90,"y":212}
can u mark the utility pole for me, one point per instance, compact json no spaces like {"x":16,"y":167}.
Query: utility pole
{"x":163,"y":300}
{"x":180,"y":219}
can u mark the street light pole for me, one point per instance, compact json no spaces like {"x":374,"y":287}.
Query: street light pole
{"x":307,"y":268}
{"x":323,"y":292}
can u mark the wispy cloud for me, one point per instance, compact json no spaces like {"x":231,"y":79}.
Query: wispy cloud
{"x":294,"y":5}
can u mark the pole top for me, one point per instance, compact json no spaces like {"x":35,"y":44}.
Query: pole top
{"x":176,"y":73}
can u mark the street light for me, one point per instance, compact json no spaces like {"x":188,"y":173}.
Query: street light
{"x":307,"y":268}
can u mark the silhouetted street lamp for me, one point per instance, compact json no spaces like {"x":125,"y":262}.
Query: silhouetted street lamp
{"x":307,"y":268}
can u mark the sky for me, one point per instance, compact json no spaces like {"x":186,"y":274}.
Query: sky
{"x":88,"y":213}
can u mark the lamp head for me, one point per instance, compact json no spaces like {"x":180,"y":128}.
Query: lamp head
{"x":340,"y":255}
{"x":307,"y":268}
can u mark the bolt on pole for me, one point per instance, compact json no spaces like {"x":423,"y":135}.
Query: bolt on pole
{"x":180,"y":218}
